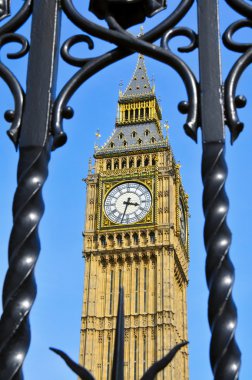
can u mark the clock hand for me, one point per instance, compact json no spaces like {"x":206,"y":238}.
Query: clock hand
{"x":126,"y":203}
{"x":133,"y":204}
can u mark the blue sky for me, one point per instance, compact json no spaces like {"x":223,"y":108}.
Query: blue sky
{"x":55,"y":317}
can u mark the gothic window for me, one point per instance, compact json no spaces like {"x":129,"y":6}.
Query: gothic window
{"x":124,"y":163}
{"x":125,"y":143}
{"x":126,"y":115}
{"x":127,"y":239}
{"x":135,"y":238}
{"x":153,"y":161}
{"x":153,"y":140}
{"x":134,"y":134}
{"x":147,"y":132}
{"x":139,"y":161}
{"x":119,"y":240}
{"x":131,"y":114}
{"x":147,"y":112}
{"x":146,"y":161}
{"x":116,"y":164}
{"x":135,"y":358}
{"x":136,"y":113}
{"x":141,"y":113}
{"x":108,"y":358}
{"x":120,"y":135}
{"x":111,"y":291}
{"x":144,"y":354}
{"x":108,"y":164}
{"x":152,"y":237}
{"x":131,"y":162}
{"x":103,"y":241}
{"x":145,"y":289}
{"x":136,"y":290}
{"x":112,"y":145}
{"x":140,"y":141}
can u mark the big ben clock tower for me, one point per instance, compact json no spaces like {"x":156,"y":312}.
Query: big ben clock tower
{"x":136,"y":236}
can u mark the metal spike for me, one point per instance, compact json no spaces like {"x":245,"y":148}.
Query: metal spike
{"x":82,"y":372}
{"x":118,"y":360}
{"x":161,"y":364}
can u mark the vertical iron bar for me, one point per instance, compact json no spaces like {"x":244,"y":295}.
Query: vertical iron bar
{"x":225,"y":355}
{"x":35,"y":144}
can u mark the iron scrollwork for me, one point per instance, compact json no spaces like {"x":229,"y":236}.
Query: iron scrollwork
{"x":127,"y":45}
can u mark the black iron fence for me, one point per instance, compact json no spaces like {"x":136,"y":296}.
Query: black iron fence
{"x":37,"y":129}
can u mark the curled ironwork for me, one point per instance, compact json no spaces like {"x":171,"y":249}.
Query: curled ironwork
{"x":224,"y":352}
{"x":14,"y":116}
{"x":232,"y":101}
{"x":8,"y":35}
{"x":127,"y":44}
{"x":19,"y":289}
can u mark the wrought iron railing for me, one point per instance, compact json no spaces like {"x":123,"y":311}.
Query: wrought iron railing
{"x":37,"y":128}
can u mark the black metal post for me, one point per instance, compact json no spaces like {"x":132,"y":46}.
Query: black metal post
{"x":28,"y":207}
{"x":224,"y":352}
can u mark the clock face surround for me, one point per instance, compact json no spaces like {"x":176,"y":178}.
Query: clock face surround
{"x":127,"y":203}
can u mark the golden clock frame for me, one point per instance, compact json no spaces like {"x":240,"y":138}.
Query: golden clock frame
{"x":107,"y":183}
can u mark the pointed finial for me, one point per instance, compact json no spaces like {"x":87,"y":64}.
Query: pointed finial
{"x":90,"y":165}
{"x":97,"y":137}
{"x":141,"y":33}
{"x":120,"y":87}
{"x":153,"y":87}
{"x":166,"y":127}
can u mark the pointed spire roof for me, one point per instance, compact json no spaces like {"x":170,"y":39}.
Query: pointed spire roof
{"x":139,"y":83}
{"x":138,"y":126}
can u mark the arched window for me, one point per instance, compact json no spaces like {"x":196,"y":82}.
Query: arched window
{"x":147,"y":111}
{"x":116,"y":164}
{"x":136,"y":113}
{"x":125,"y":143}
{"x":152,"y":237}
{"x":112,"y":145}
{"x":119,"y":239}
{"x":108,"y":358}
{"x":146,"y":161}
{"x":140,"y":141}
{"x":108,"y":165}
{"x":139,"y":161}
{"x":124,"y":163}
{"x":103,"y":241}
{"x":135,"y":238}
{"x":147,"y":132}
{"x":153,"y":161}
{"x":134,"y":134}
{"x":141,"y":113}
{"x":120,"y":135}
{"x":153,"y":140}
{"x":136,"y":290}
{"x":131,"y":114}
{"x":126,"y":115}
{"x":131,"y":162}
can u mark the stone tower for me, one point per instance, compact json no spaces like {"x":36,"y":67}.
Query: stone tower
{"x":136,"y":235}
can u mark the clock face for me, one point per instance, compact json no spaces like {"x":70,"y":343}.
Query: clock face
{"x":182,"y":221}
{"x":127,"y":203}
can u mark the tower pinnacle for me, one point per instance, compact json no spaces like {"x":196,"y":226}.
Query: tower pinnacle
{"x":138,"y":119}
